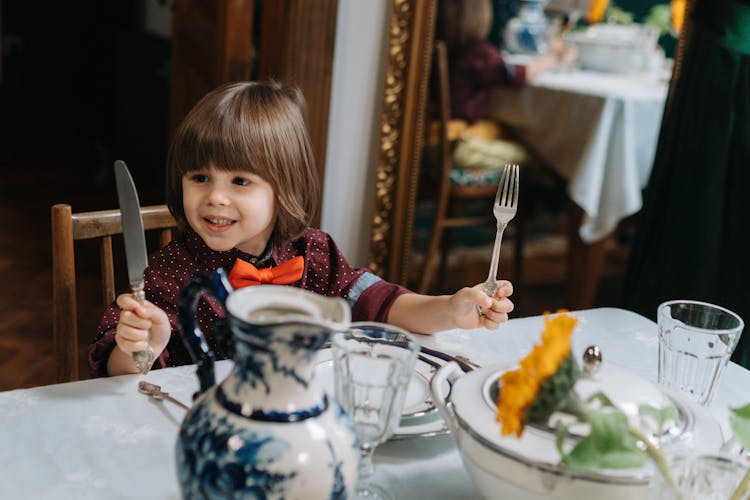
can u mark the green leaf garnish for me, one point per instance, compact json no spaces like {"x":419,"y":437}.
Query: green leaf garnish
{"x":555,"y":391}
{"x":742,"y":411}
{"x":609,"y":445}
{"x":616,"y":15}
{"x":660,"y":16}
{"x":739,"y":421}
{"x":602,"y":399}
{"x":562,"y":433}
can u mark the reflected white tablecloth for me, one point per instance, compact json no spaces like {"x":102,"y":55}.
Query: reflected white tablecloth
{"x":597,"y":130}
{"x":102,"y":439}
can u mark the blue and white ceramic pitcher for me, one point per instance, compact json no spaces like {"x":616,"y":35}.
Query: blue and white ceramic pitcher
{"x":268,"y":430}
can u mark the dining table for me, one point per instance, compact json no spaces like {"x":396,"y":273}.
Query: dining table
{"x":598,"y":131}
{"x":101,"y":438}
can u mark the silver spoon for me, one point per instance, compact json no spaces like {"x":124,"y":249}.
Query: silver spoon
{"x":155,"y":392}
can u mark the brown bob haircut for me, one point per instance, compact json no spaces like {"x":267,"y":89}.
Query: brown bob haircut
{"x":464,"y":22}
{"x":256,"y":127}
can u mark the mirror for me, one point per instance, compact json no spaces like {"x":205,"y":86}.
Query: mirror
{"x":410,"y":42}
{"x":407,"y":69}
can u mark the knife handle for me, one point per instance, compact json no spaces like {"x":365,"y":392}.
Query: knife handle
{"x":143,"y":359}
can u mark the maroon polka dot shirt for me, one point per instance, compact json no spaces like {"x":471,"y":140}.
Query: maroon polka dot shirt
{"x":326,"y":272}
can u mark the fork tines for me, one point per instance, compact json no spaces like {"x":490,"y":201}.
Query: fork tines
{"x":507,"y":188}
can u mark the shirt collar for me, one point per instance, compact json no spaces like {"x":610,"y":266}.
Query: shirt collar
{"x":215,"y":259}
{"x":285,"y":251}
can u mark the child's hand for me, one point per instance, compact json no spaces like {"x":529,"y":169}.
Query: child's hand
{"x":467,"y":303}
{"x":564,"y":53}
{"x":136,"y":321}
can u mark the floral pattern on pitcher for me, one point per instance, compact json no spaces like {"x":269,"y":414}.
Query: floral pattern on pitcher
{"x":218,"y":459}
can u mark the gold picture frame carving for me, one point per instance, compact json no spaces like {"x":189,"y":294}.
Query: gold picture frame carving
{"x":407,"y":69}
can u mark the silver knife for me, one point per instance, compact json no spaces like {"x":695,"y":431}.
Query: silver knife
{"x":135,"y":248}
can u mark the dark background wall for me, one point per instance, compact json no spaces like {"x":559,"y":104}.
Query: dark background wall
{"x":83,"y":84}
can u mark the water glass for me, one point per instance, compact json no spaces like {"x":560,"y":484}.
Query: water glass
{"x":701,"y":477}
{"x":373,"y":363}
{"x":696,"y":340}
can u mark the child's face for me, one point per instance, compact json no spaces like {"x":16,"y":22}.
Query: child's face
{"x":234,"y":209}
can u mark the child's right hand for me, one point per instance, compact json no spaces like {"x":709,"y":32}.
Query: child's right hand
{"x":136,"y":321}
{"x":564,"y":53}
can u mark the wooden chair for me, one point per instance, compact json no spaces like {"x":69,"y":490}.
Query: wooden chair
{"x":68,"y":227}
{"x":450,"y":196}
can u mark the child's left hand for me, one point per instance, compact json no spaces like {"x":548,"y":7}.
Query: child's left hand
{"x":467,"y":302}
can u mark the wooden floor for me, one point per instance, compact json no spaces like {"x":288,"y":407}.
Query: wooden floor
{"x":28,"y":190}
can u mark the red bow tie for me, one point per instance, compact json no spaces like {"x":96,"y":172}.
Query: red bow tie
{"x":245,"y":274}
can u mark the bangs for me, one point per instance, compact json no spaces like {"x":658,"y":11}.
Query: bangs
{"x":224,"y":134}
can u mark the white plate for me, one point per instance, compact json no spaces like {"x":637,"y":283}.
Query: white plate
{"x":419,"y":417}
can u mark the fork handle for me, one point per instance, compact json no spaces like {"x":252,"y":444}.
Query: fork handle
{"x":143,"y":359}
{"x":491,"y":284}
{"x":175,"y":401}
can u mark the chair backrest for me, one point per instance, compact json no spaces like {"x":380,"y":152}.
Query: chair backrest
{"x":442,"y":86}
{"x":68,"y":227}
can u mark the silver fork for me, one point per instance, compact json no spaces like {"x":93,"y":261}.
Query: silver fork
{"x":155,"y":392}
{"x":504,"y":209}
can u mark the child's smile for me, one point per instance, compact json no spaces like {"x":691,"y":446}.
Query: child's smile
{"x":218,"y":224}
{"x":229,"y":209}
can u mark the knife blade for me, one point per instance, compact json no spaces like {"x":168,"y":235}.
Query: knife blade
{"x":135,"y":248}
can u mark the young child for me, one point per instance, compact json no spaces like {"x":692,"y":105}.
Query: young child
{"x":243,"y":188}
{"x":476,"y":65}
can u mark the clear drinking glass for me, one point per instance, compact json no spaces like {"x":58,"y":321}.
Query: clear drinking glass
{"x":701,"y":477}
{"x":696,"y":340}
{"x":373,"y":364}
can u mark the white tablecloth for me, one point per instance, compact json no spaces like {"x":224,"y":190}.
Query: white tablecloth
{"x":102,"y":439}
{"x":597,"y":130}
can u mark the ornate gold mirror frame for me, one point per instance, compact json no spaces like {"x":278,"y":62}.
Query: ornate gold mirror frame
{"x":407,"y":69}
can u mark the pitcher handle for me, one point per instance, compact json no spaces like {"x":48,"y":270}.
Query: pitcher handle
{"x":217,"y":285}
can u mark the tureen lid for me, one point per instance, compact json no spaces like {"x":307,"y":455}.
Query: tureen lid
{"x":474,"y":395}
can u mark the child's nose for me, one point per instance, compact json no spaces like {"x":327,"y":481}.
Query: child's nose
{"x":217,"y":196}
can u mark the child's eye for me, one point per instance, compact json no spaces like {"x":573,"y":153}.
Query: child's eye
{"x":241,"y":181}
{"x":200,"y":178}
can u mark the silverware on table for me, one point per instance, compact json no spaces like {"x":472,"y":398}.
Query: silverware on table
{"x":430,"y":362}
{"x":504,"y":209}
{"x":155,"y":392}
{"x":462,"y":361}
{"x":135,"y":248}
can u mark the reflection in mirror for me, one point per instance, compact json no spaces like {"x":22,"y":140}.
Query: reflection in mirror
{"x":575,"y":136}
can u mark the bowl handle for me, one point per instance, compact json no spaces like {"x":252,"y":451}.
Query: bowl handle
{"x":443,"y":379}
